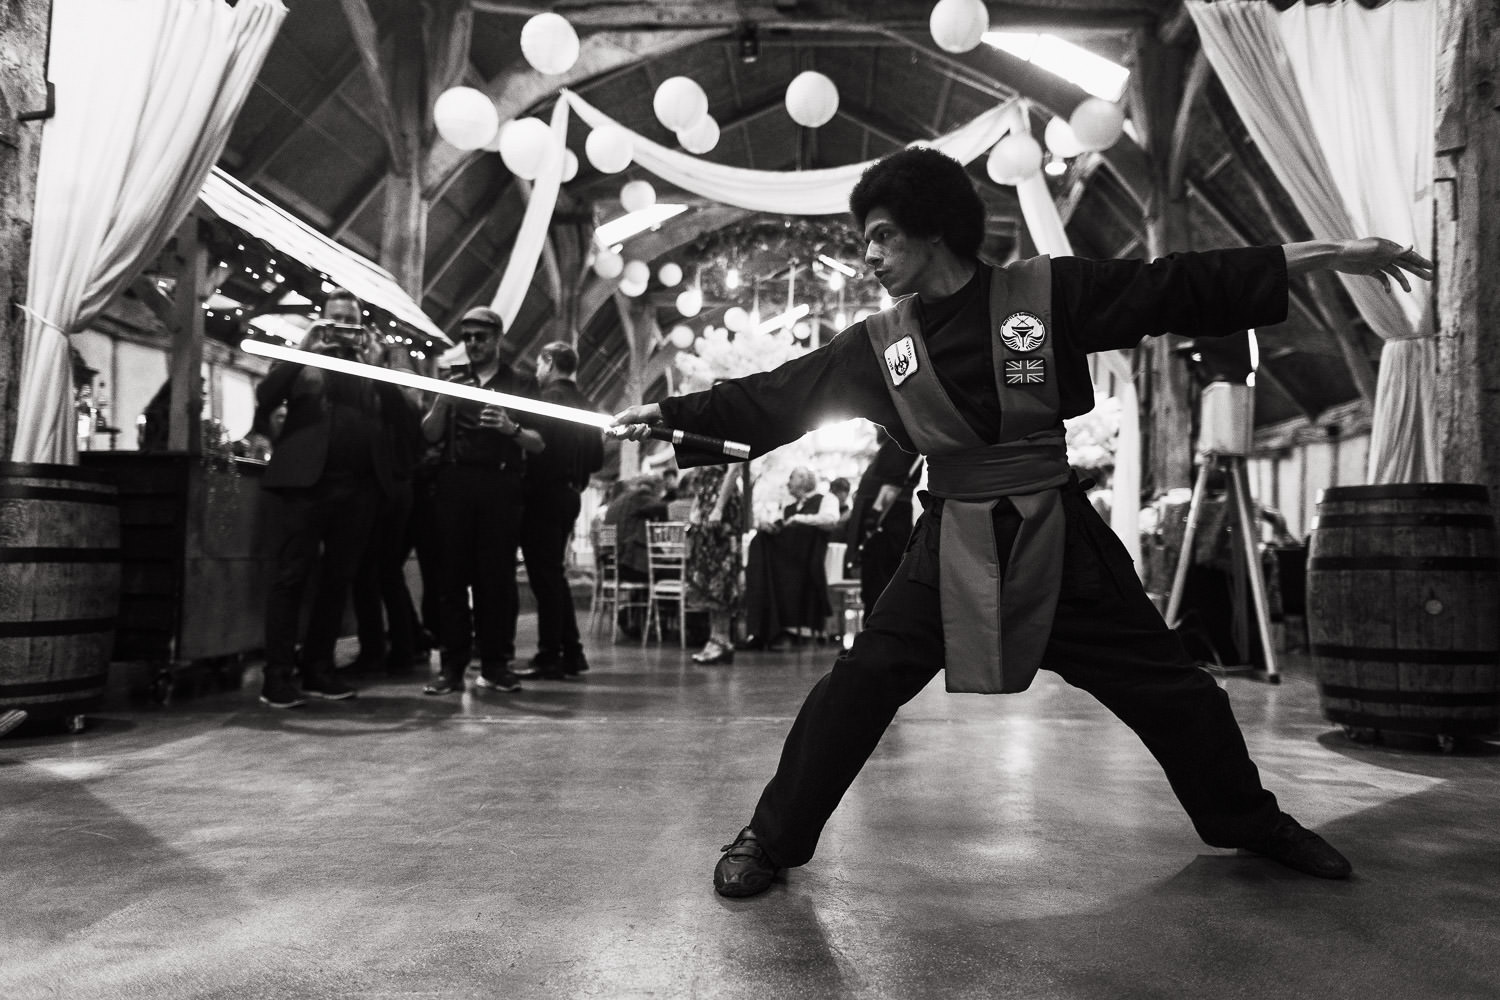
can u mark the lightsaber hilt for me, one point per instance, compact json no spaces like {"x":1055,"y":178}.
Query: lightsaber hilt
{"x":702,"y":442}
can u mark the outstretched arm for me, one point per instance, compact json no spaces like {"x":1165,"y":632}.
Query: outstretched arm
{"x":1379,"y":258}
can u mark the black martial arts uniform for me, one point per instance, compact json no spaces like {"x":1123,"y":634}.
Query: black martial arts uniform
{"x":1106,"y":637}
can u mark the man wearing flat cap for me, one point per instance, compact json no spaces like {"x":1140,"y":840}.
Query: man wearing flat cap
{"x":478,"y":510}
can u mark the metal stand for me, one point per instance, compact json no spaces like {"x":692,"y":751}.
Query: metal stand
{"x":1241,"y":507}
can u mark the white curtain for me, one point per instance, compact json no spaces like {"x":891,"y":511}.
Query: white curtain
{"x":1046,"y":227}
{"x":1340,"y":100}
{"x":785,"y":192}
{"x":147,"y":91}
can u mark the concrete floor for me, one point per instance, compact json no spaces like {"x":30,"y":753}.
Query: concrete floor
{"x":559,"y":842}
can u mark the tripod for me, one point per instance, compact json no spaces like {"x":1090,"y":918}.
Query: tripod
{"x":1249,"y":566}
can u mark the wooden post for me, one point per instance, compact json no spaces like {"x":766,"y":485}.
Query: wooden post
{"x":185,"y":422}
{"x":1467,"y":243}
{"x":1158,"y":83}
{"x":23,"y":54}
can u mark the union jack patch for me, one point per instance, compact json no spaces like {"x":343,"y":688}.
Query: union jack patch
{"x":1030,"y":371}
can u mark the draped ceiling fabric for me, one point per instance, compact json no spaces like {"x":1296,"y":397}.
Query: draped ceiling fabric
{"x":1045,"y":225}
{"x":1340,"y":99}
{"x":146,"y":94}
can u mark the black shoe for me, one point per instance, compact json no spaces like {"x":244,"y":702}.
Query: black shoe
{"x":575,"y":663}
{"x":280,"y":692}
{"x":325,"y":684}
{"x":744,"y":870}
{"x":1297,"y":847}
{"x":753,"y":644}
{"x":363,"y":665}
{"x":540,"y":664}
{"x":445,"y":683}
{"x":714,"y":652}
{"x":498,"y":680}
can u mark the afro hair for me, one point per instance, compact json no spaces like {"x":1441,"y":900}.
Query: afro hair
{"x":927,"y":193}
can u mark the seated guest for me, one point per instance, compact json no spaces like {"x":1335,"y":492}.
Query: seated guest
{"x":786,"y":586}
{"x":641,"y":501}
{"x":638,"y":503}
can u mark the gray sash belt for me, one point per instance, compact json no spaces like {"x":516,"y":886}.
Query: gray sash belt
{"x":995,"y":635}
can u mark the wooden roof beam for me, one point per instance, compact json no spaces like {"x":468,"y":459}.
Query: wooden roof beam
{"x":470,"y":231}
{"x":272,"y":140}
{"x":366,"y":35}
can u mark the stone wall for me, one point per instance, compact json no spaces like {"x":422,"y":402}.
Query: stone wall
{"x":23,"y":50}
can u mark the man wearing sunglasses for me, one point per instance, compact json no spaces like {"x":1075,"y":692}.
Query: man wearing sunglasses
{"x":478,"y":508}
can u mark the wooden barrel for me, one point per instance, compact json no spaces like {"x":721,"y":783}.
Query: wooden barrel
{"x":59,"y":586}
{"x":1403,"y":608}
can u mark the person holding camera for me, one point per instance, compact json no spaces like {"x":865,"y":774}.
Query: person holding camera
{"x":324,"y":484}
{"x":478,"y":500}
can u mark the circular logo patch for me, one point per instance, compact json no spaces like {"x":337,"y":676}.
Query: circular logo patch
{"x":1023,"y":331}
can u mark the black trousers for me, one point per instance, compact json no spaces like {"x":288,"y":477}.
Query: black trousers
{"x":381,"y":582}
{"x":546,"y":525}
{"x":478,"y":512}
{"x":1107,"y":639}
{"x":880,"y":554}
{"x":324,"y":528}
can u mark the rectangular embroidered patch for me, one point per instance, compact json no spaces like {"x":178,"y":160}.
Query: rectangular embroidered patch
{"x":901,"y":360}
{"x":1030,"y":371}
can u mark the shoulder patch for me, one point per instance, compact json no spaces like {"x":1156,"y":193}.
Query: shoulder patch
{"x":901,"y":360}
{"x":1023,"y":331}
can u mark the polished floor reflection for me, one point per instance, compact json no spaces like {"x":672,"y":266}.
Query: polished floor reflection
{"x":559,"y":842}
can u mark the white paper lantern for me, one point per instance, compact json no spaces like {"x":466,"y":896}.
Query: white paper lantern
{"x":736,"y":319}
{"x":637,"y":196}
{"x":609,"y":265}
{"x":632,"y":288}
{"x":609,"y":149}
{"x":681,"y":337}
{"x":679,"y":103}
{"x":1097,"y":124}
{"x":1061,"y":140}
{"x":465,"y":118}
{"x":637,"y":272}
{"x":523,"y":146}
{"x":702,"y":137}
{"x":549,"y":43}
{"x":570,"y":165}
{"x":1014,"y":159}
{"x":690,"y":302}
{"x":669,"y":274}
{"x":811,"y":99}
{"x":959,"y":25}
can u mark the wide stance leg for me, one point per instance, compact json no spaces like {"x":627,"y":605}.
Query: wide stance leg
{"x":899,"y":651}
{"x":1119,"y":650}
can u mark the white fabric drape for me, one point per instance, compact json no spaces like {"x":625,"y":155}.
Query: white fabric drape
{"x":526,"y":251}
{"x":147,"y":91}
{"x":1339,"y":99}
{"x":1045,"y":225}
{"x":785,"y":192}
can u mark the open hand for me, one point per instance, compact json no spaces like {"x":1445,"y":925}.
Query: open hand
{"x":1382,"y":259}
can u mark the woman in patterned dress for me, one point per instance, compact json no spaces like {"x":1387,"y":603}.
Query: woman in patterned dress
{"x":713,"y":560}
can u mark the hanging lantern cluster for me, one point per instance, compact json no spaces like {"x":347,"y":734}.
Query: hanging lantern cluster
{"x":1014,"y":159}
{"x":465,"y":118}
{"x":682,"y":106}
{"x":959,"y":25}
{"x":812,"y":99}
{"x":523,"y":146}
{"x":549,"y":44}
{"x":1097,"y":124}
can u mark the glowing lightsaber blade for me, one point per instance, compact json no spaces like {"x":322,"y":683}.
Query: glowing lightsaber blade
{"x":542,"y":408}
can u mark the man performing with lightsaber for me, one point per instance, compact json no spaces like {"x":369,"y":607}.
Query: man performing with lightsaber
{"x":1009,"y":568}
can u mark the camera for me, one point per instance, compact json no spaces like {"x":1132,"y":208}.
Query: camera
{"x":346,"y":339}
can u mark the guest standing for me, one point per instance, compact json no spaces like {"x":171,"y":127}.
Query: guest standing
{"x":713,"y":556}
